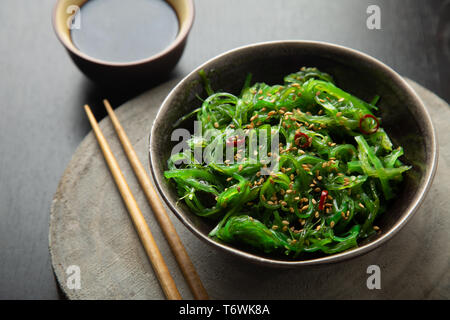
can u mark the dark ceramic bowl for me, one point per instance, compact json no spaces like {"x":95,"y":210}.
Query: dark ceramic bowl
{"x":124,"y":73}
{"x":404,"y":117}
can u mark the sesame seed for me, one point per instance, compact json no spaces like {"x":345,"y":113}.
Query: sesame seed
{"x":270,"y":202}
{"x":361,"y":205}
{"x":332,"y":224}
{"x":216,"y":124}
{"x":274,"y":227}
{"x":285,"y":222}
{"x":229,"y":179}
{"x":339,"y":114}
{"x":318,"y":228}
{"x":376,"y":228}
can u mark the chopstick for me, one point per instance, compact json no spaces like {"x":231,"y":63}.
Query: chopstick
{"x":181,"y":256}
{"x":162,"y":272}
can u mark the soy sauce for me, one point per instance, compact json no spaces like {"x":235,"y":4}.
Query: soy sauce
{"x":124,"y":31}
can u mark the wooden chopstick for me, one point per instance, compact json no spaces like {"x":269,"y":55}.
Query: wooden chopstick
{"x":162,"y":272}
{"x":164,"y":221}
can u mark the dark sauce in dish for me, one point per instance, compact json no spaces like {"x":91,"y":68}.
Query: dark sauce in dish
{"x":125,"y":31}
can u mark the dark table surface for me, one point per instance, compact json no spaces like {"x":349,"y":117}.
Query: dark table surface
{"x":42,"y":92}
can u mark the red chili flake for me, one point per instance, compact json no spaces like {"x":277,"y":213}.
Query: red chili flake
{"x":373,"y":130}
{"x":300,"y":135}
{"x":235,"y":141}
{"x":323,"y":198}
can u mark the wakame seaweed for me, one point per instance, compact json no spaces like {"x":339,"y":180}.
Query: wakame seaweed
{"x":334,"y":172}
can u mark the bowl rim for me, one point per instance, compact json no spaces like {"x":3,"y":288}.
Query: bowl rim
{"x":412,"y":208}
{"x":179,"y":39}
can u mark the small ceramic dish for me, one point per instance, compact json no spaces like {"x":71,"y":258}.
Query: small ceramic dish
{"x":108,"y":72}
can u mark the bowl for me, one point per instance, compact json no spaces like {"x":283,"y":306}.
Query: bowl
{"x":123,"y":73}
{"x":404,"y":116}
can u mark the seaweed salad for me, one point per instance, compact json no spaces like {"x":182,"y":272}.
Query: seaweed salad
{"x":292,"y":169}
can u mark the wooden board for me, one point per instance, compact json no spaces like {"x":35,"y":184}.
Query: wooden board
{"x":90,"y":228}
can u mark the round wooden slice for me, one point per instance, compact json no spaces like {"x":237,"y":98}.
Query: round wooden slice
{"x":90,"y":231}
